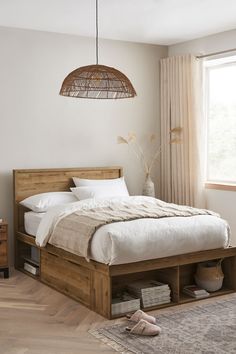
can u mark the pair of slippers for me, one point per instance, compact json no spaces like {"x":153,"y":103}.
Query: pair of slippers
{"x":146,"y":324}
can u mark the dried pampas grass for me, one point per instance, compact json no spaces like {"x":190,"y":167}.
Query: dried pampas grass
{"x":133,"y":143}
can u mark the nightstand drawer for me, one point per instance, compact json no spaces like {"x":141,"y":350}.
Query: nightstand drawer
{"x":3,"y":253}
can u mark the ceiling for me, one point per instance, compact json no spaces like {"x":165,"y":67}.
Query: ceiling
{"x":163,"y":22}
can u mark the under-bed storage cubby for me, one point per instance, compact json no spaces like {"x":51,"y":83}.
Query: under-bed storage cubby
{"x":168,"y":276}
{"x":188,"y":271}
{"x":28,"y":258}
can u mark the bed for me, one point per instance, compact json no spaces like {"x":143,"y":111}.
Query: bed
{"x":94,"y":282}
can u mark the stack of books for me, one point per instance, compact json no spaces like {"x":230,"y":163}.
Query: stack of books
{"x":123,"y":303}
{"x":195,"y":291}
{"x":150,"y":292}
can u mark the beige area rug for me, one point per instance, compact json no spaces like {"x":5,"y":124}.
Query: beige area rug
{"x":209,"y":328}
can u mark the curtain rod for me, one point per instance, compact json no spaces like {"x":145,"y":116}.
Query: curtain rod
{"x":216,"y":53}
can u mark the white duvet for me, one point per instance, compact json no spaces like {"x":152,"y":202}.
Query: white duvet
{"x":141,"y":239}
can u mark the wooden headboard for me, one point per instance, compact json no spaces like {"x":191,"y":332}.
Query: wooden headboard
{"x":30,"y":182}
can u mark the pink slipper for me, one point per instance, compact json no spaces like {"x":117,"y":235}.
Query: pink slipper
{"x":144,"y":328}
{"x":140,"y":315}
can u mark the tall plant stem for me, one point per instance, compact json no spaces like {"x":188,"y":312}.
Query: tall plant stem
{"x":138,"y":157}
{"x":155,"y":157}
{"x":140,"y":150}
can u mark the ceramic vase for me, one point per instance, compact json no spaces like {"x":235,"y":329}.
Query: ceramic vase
{"x":148,"y":187}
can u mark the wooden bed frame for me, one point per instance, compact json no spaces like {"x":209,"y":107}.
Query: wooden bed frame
{"x":93,"y":283}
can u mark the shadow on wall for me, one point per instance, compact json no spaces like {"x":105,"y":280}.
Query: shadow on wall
{"x":6,"y":206}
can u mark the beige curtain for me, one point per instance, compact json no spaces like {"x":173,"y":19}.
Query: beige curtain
{"x":182,"y":165}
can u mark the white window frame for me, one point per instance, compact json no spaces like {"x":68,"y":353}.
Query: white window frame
{"x":214,"y":184}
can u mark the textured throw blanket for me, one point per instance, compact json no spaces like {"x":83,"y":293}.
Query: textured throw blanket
{"x":81,"y":225}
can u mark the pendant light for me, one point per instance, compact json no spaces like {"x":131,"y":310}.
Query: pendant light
{"x":97,"y":81}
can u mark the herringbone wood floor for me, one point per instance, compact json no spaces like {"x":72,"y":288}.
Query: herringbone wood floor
{"x":35,"y":319}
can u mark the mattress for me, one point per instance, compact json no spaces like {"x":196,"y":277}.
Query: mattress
{"x":32,"y":221}
{"x":140,"y":239}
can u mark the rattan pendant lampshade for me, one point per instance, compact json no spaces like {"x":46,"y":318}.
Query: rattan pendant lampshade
{"x":97,"y":81}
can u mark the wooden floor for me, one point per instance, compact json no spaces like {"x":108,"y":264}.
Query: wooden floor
{"x":35,"y":319}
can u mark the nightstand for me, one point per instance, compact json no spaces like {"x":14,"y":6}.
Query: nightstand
{"x":4,"y":249}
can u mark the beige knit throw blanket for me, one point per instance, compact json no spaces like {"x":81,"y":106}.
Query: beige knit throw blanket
{"x":75,"y":231}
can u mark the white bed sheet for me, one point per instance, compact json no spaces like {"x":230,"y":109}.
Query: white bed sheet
{"x":32,"y":221}
{"x":142,"y":239}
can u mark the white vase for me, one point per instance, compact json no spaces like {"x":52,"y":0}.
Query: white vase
{"x":148,"y":187}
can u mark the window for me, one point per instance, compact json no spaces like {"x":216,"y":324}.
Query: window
{"x":221,"y":120}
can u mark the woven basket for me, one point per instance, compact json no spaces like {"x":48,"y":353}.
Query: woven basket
{"x":97,"y":81}
{"x":209,"y":275}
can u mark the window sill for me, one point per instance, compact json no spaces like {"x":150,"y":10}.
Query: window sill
{"x":221,"y":186}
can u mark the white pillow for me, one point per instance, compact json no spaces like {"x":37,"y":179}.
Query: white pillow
{"x":102,"y":191}
{"x":118,"y":183}
{"x":82,"y":182}
{"x":40,"y":203}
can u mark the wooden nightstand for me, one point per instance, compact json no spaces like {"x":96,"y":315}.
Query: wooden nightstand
{"x":4,"y":249}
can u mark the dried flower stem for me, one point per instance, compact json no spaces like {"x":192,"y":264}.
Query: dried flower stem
{"x":138,"y":151}
{"x":154,"y":158}
{"x":139,"y":155}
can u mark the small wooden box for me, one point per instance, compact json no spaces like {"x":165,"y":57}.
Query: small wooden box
{"x":4,"y":249}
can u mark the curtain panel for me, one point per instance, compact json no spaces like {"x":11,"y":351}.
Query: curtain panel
{"x":182,"y":165}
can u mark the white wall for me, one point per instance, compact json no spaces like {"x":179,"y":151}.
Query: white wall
{"x":40,"y":129}
{"x":223,"y":202}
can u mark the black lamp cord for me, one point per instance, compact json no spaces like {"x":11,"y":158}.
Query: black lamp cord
{"x":97,"y":32}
